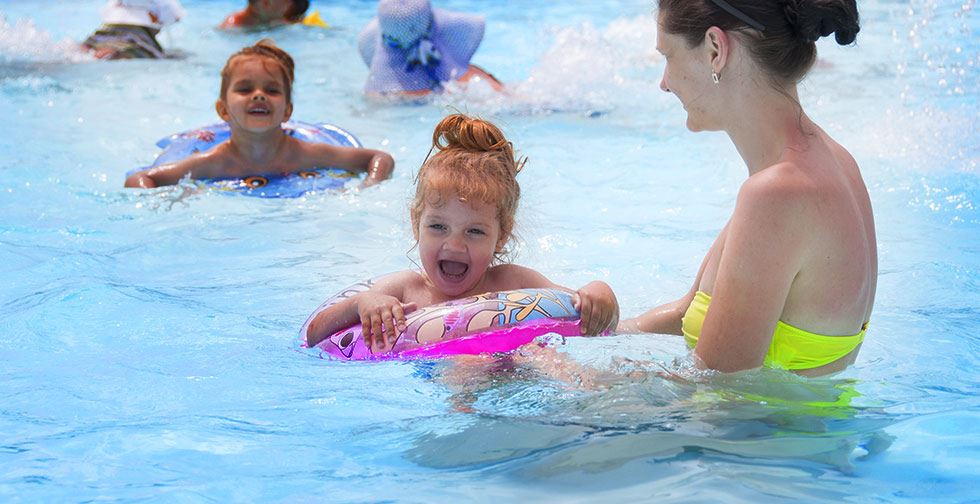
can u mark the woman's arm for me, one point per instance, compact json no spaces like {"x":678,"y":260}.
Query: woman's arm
{"x":666,"y":318}
{"x":763,"y":252}
{"x":662,"y":319}
{"x":476,"y":73}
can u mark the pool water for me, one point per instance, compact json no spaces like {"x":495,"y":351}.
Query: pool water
{"x":149,"y":342}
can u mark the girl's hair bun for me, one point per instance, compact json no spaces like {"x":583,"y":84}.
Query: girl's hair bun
{"x":464,"y":133}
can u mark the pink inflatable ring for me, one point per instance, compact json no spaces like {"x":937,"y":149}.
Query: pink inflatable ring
{"x":486,"y":323}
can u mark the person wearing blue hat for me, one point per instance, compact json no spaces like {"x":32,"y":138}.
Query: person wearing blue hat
{"x":412,"y":49}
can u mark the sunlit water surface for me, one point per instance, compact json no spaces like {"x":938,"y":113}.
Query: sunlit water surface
{"x":149,"y":338}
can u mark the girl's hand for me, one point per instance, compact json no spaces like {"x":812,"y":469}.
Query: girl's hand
{"x":380,"y":316}
{"x":598,"y":308}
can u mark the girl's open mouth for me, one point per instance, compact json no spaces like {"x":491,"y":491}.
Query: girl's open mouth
{"x":453,"y":270}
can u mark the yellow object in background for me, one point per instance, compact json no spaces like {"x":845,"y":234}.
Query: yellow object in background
{"x":314,"y":19}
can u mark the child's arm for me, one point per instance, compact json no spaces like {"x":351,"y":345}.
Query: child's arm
{"x":200,"y":166}
{"x":377,"y":164}
{"x":235,"y":20}
{"x":379,"y":310}
{"x":595,"y":301}
{"x":331,"y":320}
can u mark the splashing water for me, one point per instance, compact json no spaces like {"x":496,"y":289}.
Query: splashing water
{"x":586,"y":70}
{"x":25,"y":42}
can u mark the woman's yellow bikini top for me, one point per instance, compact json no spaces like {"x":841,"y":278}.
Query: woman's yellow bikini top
{"x":792,"y":348}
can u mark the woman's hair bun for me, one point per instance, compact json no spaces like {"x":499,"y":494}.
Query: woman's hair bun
{"x":813,"y":19}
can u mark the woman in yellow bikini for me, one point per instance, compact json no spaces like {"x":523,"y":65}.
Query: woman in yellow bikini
{"x":791,"y":278}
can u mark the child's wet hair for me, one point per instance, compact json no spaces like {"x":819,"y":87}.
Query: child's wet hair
{"x":267,"y":49}
{"x":474,"y":162}
{"x":295,"y":12}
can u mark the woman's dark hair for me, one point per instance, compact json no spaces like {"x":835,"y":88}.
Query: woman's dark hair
{"x":786,"y":43}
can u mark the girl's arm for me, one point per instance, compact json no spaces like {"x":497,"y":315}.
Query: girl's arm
{"x":595,"y":301}
{"x":379,"y":310}
{"x":199,"y":166}
{"x":331,"y":320}
{"x":377,"y":164}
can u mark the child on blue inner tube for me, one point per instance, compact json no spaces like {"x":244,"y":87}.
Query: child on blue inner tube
{"x":255,"y":99}
{"x":261,"y":14}
{"x":462,"y":218}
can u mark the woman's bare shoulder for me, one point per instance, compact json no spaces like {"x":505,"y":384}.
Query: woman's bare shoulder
{"x":781,"y":188}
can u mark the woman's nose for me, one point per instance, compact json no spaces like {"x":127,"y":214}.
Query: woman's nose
{"x":663,"y":84}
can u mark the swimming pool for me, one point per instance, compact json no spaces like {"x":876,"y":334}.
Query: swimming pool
{"x":149,"y":339}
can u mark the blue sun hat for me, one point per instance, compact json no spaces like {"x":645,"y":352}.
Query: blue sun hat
{"x":411,"y":47}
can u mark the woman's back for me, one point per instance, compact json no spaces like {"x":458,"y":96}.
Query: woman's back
{"x":829,"y":228}
{"x":834,"y":291}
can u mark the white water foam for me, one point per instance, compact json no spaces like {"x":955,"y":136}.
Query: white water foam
{"x":586,"y":70}
{"x":25,"y":42}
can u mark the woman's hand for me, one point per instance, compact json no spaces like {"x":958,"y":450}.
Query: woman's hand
{"x":598,"y":308}
{"x":380,"y":316}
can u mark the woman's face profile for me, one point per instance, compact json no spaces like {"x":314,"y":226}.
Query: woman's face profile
{"x":686,"y":74}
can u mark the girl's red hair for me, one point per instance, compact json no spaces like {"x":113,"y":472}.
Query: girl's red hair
{"x":474,"y":162}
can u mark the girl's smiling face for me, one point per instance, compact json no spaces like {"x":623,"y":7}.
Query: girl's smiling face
{"x":457,"y":242}
{"x":256,"y":96}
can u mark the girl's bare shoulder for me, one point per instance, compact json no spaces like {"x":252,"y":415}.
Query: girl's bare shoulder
{"x":514,"y":276}
{"x":399,"y":280}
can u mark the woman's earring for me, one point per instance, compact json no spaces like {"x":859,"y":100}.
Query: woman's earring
{"x":715,"y":77}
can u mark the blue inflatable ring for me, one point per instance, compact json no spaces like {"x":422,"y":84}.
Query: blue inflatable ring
{"x":181,"y":145}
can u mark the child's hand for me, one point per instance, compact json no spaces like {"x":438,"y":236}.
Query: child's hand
{"x":380,"y":316}
{"x":380,"y":168}
{"x":598,"y":308}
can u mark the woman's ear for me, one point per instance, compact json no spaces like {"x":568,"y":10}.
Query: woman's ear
{"x":717,"y":44}
{"x":222,"y":110}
